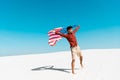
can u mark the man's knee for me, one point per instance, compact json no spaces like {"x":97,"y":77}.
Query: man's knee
{"x":73,"y":60}
{"x":81,"y":56}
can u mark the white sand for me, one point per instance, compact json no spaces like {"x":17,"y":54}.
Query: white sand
{"x":99,"y":64}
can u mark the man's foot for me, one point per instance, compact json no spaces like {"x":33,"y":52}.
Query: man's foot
{"x":73,"y":73}
{"x":82,"y":65}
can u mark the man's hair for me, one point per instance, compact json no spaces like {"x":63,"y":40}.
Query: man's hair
{"x":69,"y":27}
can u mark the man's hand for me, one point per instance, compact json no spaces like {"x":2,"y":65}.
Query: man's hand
{"x":56,"y":32}
{"x":78,"y":26}
{"x":76,"y":29}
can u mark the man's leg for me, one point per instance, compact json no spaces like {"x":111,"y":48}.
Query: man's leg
{"x":80,"y":56}
{"x":73,"y":59}
{"x":73,"y":66}
{"x":81,"y":60}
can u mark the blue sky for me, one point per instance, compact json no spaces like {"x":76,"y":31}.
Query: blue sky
{"x":24,"y":24}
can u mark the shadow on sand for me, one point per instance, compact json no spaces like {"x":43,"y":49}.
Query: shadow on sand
{"x":52,"y":68}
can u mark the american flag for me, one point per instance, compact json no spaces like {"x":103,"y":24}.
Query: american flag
{"x":53,"y":38}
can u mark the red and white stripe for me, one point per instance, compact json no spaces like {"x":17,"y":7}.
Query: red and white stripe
{"x":53,"y":38}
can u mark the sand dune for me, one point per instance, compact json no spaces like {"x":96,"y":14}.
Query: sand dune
{"x":99,"y":64}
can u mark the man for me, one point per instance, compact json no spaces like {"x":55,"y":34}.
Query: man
{"x":75,"y":49}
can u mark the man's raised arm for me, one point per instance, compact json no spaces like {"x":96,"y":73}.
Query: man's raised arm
{"x":58,"y":33}
{"x":78,"y":27}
